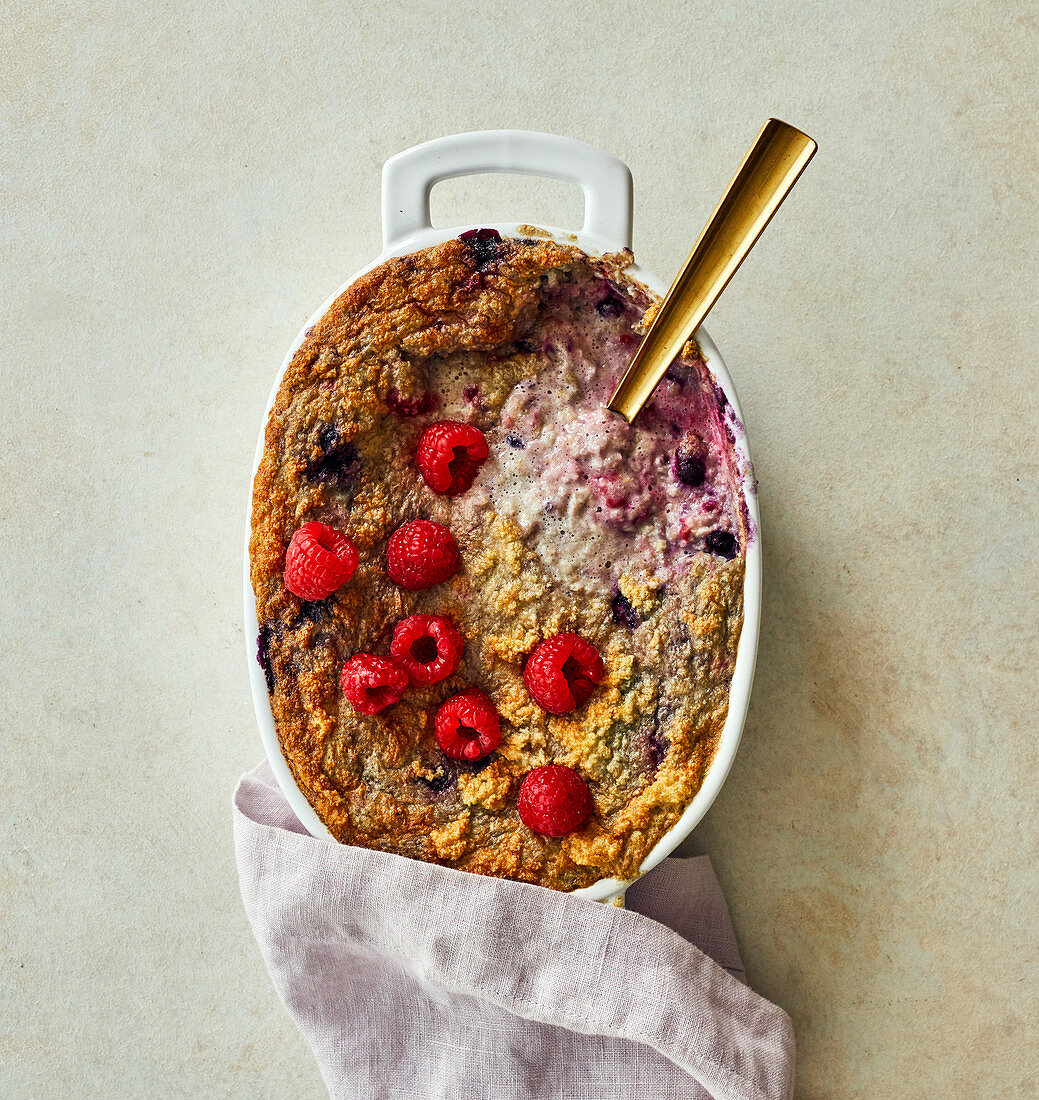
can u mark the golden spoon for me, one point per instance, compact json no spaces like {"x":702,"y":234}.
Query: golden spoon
{"x":769,"y":170}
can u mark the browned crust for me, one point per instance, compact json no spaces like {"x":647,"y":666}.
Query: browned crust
{"x":368,"y":350}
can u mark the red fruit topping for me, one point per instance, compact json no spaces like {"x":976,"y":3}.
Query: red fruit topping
{"x":372,"y":683}
{"x":319,"y":560}
{"x":427,"y":647}
{"x":421,"y":554}
{"x":449,"y":455}
{"x":467,"y":726}
{"x":554,"y":800}
{"x":562,"y":672}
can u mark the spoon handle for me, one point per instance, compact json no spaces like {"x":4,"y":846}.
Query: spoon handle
{"x":770,"y":169}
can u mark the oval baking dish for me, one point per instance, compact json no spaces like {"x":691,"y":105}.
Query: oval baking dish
{"x":606,"y":184}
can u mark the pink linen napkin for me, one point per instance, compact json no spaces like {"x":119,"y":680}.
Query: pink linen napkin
{"x":413,"y":980}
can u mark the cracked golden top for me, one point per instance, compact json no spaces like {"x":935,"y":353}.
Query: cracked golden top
{"x":633,"y":538}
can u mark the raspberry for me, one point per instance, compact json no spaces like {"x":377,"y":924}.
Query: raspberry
{"x":319,"y":560}
{"x":467,"y":726}
{"x":421,"y":554}
{"x":553,"y":800}
{"x":449,"y":455}
{"x":372,"y":683}
{"x":427,"y":647}
{"x":562,"y":672}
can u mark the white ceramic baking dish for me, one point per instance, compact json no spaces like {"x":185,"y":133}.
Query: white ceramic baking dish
{"x":407,"y":180}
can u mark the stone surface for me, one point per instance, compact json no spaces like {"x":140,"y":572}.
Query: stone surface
{"x":184,"y":184}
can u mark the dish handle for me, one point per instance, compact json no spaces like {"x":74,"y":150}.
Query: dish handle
{"x":408,"y":178}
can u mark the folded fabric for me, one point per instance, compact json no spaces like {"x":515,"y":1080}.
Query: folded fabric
{"x":413,"y":980}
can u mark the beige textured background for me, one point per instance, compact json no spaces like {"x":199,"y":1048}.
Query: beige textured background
{"x":183,"y":183}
